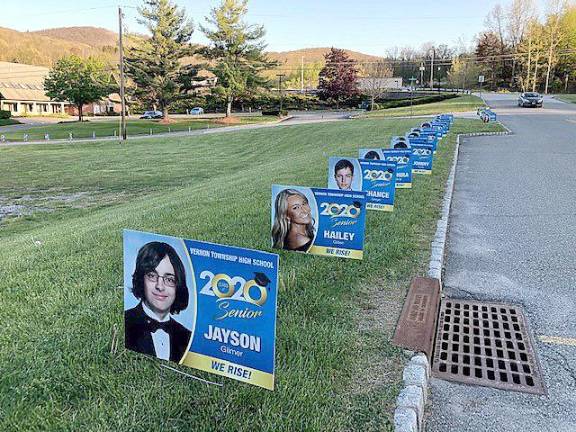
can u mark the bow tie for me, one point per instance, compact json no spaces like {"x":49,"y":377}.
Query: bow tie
{"x":154,"y":325}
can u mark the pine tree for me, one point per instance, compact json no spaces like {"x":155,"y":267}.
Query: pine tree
{"x":236,"y":51}
{"x":338,"y":79}
{"x":155,"y":64}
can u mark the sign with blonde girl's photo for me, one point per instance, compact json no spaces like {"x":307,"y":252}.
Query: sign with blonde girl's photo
{"x":203,"y":305}
{"x":326,"y":222}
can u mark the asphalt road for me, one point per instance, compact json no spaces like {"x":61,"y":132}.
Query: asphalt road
{"x":512,"y":239}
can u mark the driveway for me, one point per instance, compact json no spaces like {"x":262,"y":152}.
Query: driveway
{"x":512,"y":239}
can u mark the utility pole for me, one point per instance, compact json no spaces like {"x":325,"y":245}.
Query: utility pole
{"x":122,"y":97}
{"x":432,"y":69}
{"x":302,"y":76}
{"x":280,"y":76}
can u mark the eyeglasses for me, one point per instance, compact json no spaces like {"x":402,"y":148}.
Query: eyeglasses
{"x":169,"y":280}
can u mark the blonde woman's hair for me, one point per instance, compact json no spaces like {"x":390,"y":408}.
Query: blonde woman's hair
{"x":281,"y":225}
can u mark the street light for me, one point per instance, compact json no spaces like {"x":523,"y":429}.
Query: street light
{"x":412,"y":79}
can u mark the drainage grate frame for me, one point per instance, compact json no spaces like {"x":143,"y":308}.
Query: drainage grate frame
{"x":487,"y":344}
{"x":417,"y":323}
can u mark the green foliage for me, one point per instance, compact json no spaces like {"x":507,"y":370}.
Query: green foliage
{"x":310,"y":73}
{"x":155,"y":65}
{"x":276,"y":112}
{"x":5,"y":114}
{"x":415,"y":101}
{"x":236,"y":52}
{"x":80,"y":81}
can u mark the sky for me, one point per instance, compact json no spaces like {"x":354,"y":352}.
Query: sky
{"x":368,"y":26}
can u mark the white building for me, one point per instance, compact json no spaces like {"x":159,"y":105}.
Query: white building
{"x":22,"y":90}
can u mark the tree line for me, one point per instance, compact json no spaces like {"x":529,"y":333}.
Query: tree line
{"x":518,"y":50}
{"x":166,"y":68}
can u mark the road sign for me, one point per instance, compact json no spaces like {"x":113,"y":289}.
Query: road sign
{"x":480,"y":78}
{"x":422,"y":68}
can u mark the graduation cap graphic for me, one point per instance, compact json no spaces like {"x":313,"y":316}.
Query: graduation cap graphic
{"x":262,"y":280}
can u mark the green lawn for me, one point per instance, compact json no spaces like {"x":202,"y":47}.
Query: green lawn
{"x":111,"y":128}
{"x":62,"y":269}
{"x":567,"y":97}
{"x":8,"y":122}
{"x":459,"y":104}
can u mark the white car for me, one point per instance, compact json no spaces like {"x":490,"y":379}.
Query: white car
{"x":197,"y":111}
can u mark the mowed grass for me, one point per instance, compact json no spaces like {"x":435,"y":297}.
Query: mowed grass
{"x":460,"y":104}
{"x":62,"y":297}
{"x":106,"y":128}
{"x":566,"y":97}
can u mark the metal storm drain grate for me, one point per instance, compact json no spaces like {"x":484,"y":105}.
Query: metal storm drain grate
{"x":486,"y":344}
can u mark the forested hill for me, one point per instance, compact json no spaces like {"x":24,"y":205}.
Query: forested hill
{"x":314,"y":55}
{"x":44,"y":47}
{"x":41,"y":50}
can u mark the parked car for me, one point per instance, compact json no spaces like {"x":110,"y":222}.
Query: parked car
{"x":152,"y":115}
{"x":197,"y":111}
{"x":530,"y":99}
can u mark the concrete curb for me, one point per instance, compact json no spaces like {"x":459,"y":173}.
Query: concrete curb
{"x":410,"y":404}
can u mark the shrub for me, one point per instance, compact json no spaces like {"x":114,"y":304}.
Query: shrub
{"x":5,"y":114}
{"x":278,"y":113}
{"x":415,"y":101}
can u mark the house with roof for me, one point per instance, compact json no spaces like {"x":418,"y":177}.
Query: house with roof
{"x":22,"y":91}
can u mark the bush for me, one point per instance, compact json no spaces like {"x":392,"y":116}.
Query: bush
{"x":5,"y":114}
{"x":416,"y":101}
{"x":278,"y":113}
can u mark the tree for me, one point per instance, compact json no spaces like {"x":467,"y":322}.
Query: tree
{"x":496,"y":23}
{"x":518,"y":17}
{"x":375,"y":79}
{"x":489,"y":51}
{"x":554,"y":36}
{"x":79,"y":81}
{"x":310,"y":73}
{"x":338,"y":80}
{"x":155,"y":65}
{"x":566,"y":68}
{"x":236,"y":51}
{"x":464,"y":72}
{"x":531,"y":49}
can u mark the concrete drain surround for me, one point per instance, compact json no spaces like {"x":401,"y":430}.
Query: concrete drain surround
{"x":486,"y":344}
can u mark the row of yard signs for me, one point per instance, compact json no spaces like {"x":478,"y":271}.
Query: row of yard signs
{"x":213,"y":307}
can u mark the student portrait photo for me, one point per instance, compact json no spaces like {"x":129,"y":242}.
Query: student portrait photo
{"x":344,"y":174}
{"x":159,"y":283}
{"x":400,"y":144}
{"x":293,"y":225}
{"x":372,"y":155}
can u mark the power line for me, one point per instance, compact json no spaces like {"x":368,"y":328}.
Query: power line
{"x":312,"y":66}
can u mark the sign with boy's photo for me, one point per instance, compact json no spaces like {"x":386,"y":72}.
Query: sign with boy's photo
{"x":204,"y":305}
